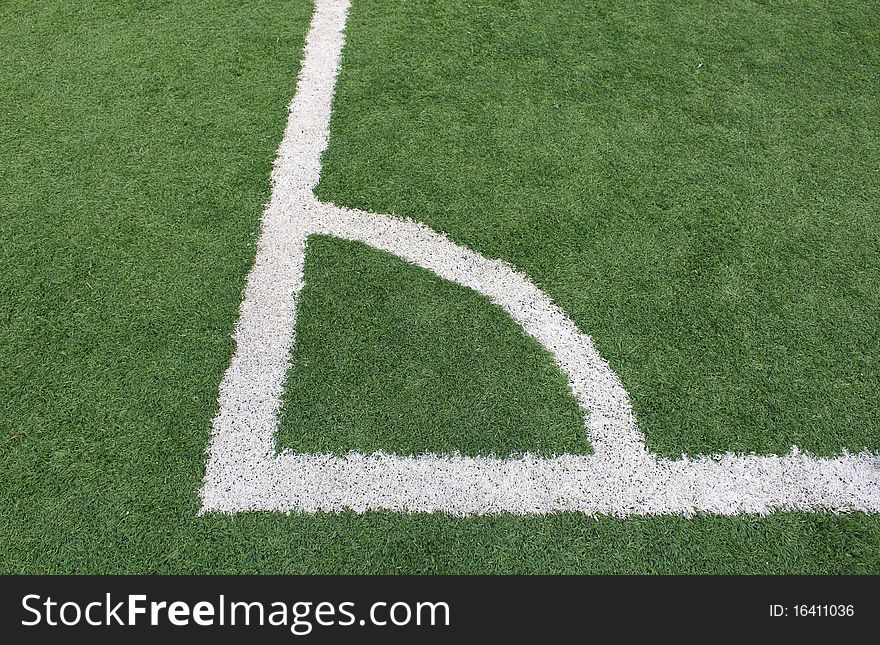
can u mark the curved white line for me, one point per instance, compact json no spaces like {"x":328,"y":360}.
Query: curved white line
{"x":621,"y":478}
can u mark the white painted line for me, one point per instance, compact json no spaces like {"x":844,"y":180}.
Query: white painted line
{"x":245,"y":473}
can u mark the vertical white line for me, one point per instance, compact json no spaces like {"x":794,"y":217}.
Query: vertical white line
{"x":298,"y":166}
{"x":250,"y":392}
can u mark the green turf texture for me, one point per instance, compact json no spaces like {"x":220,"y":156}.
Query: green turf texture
{"x":695,"y":183}
{"x":390,"y":357}
{"x":712,"y":226}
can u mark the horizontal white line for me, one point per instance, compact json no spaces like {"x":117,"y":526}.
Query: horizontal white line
{"x":459,"y":485}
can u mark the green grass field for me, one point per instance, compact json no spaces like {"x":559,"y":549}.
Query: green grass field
{"x":695,"y":183}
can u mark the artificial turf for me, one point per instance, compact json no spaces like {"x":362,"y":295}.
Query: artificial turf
{"x":692,"y":182}
{"x":389,"y":357}
{"x":695,"y":183}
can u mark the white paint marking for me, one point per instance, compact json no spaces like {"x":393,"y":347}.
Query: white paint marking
{"x":244,"y":472}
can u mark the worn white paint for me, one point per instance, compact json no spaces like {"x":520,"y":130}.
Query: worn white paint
{"x":621,"y":478}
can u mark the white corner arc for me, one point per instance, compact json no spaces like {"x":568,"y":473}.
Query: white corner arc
{"x":621,"y":478}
